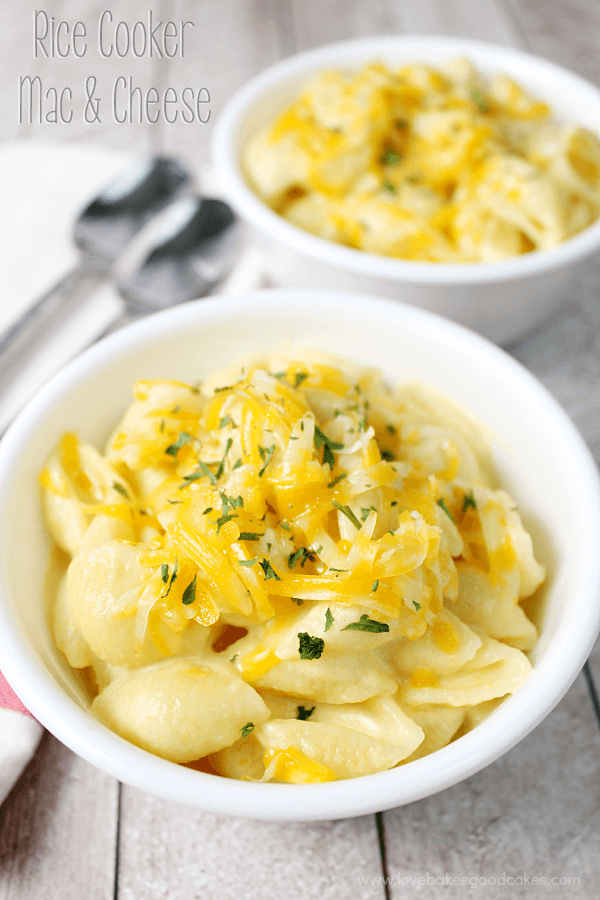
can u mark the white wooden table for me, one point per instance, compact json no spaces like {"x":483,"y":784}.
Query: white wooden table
{"x":69,"y":832}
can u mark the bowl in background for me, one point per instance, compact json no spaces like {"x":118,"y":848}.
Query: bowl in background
{"x":502,"y":301}
{"x":540,"y":458}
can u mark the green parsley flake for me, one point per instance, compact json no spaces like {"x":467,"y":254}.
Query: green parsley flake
{"x":221,"y":466}
{"x":269,"y":570}
{"x":189,"y":595}
{"x":337,"y":479}
{"x":164,"y":573}
{"x":469,"y":501}
{"x":416,"y":605}
{"x":391,"y":429}
{"x":285,"y":525}
{"x":249,"y":536}
{"x":166,"y":592}
{"x":328,"y":619}
{"x":247,"y":729}
{"x":367,"y":624}
{"x":237,"y":464}
{"x":375,"y":585}
{"x":388,"y":455}
{"x":183,"y":439}
{"x":304,"y":713}
{"x":301,"y":554}
{"x":481,"y":102}
{"x":390,"y":157}
{"x":226,"y":387}
{"x":266,"y":454}
{"x":442,"y":504}
{"x":297,"y":600}
{"x":201,"y":472}
{"x":300,"y":377}
{"x":401,"y":123}
{"x":225,"y":421}
{"x":345,"y":510}
{"x":310,"y":647}
{"x":248,"y":562}
{"x":119,"y":487}
{"x":389,"y":187}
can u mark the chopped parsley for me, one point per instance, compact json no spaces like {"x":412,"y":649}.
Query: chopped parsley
{"x":442,"y":504}
{"x":347,"y":512}
{"x":337,"y":479}
{"x":389,"y":187}
{"x":266,"y":454}
{"x":375,"y":585}
{"x":201,"y":472}
{"x":390,"y":157}
{"x":249,"y":536}
{"x":416,"y":605}
{"x":119,"y":487}
{"x":226,"y":387}
{"x":206,"y":511}
{"x":248,"y":562}
{"x":300,"y":555}
{"x":268,"y":570}
{"x":310,"y":647}
{"x":391,"y":429}
{"x":221,"y":466}
{"x":247,"y":729}
{"x":195,"y":389}
{"x":166,"y":592}
{"x":174,"y":502}
{"x":189,"y":595}
{"x":367,"y":624}
{"x":481,"y":102}
{"x":304,"y":713}
{"x":388,"y":455}
{"x":469,"y":501}
{"x":328,"y":619}
{"x":183,"y":439}
{"x":285,"y":525}
{"x":401,"y":123}
{"x":164,"y":573}
{"x":321,"y":440}
{"x":300,"y":377}
{"x":364,"y":512}
{"x":225,"y":421}
{"x":297,"y":600}
{"x":237,"y":464}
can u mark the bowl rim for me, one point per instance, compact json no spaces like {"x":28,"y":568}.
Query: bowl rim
{"x":256,"y":212}
{"x":87,"y":737}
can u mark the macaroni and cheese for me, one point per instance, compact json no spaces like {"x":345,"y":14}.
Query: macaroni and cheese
{"x":426,"y":164}
{"x":290,"y":572}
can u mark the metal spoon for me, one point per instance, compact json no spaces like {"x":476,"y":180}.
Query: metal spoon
{"x":102,"y":231}
{"x":190,"y":254}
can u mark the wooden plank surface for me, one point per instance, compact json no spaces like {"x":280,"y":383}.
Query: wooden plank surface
{"x":537,"y":809}
{"x":169,"y":851}
{"x":58,"y":830}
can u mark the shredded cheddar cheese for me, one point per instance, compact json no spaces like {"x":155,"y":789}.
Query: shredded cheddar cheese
{"x":293,"y":534}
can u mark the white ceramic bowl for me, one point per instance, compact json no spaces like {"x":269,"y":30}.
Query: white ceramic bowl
{"x":502,"y":301}
{"x":540,"y":457}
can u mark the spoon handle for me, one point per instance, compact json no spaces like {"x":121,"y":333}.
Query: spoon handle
{"x":17,"y":342}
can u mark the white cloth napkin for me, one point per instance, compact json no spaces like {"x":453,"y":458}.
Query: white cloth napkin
{"x":43,"y":188}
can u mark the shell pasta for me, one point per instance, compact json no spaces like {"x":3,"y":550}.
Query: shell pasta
{"x":290,"y":572}
{"x":436,"y":165}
